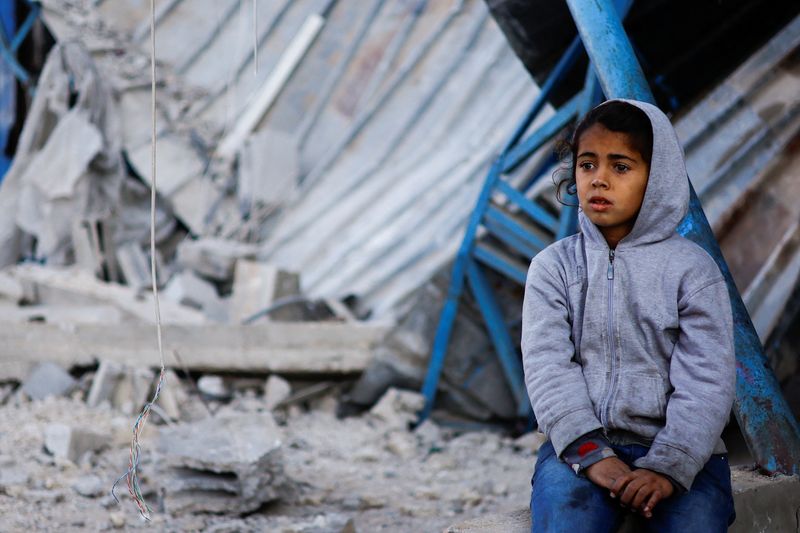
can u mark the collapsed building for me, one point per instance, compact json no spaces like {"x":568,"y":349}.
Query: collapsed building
{"x":317,"y":163}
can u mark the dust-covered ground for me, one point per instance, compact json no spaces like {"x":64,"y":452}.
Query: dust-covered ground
{"x":364,"y":473}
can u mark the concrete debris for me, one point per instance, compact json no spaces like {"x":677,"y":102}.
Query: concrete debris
{"x":213,"y":258}
{"x":188,"y":289}
{"x":173,"y":398}
{"x":258,"y":286}
{"x":68,"y":442}
{"x":90,"y":486}
{"x":48,"y":379}
{"x":299,"y":348}
{"x":214,"y":388}
{"x":134,"y":265}
{"x":227,"y":464}
{"x":124,"y":387}
{"x":399,"y":408}
{"x":68,"y":162}
{"x":276,"y":390}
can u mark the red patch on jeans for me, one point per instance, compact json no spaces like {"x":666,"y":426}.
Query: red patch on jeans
{"x":587,"y":447}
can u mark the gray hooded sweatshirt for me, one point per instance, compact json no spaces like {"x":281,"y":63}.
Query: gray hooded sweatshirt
{"x":638,"y":342}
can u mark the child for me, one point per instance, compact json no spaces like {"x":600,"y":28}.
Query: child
{"x":627,"y":343}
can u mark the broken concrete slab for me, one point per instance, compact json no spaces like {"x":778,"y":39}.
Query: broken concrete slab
{"x":173,"y":396}
{"x":48,"y":379}
{"x":61,"y":314}
{"x":190,"y":290}
{"x":126,"y":298}
{"x":177,"y":162}
{"x":68,"y":442}
{"x":213,"y":258}
{"x":134,"y":265}
{"x":276,"y":390}
{"x":257,"y":286}
{"x":124,"y":387}
{"x":229,"y":464}
{"x":268,"y":169}
{"x":286,"y":348}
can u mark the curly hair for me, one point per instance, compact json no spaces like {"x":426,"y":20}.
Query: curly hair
{"x":614,"y":115}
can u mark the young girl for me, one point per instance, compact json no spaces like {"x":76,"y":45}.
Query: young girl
{"x":627,"y":343}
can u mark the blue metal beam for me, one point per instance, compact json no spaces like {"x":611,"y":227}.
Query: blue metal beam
{"x":770,"y":430}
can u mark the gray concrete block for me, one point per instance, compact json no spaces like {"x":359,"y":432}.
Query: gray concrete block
{"x":71,"y":443}
{"x":276,"y":390}
{"x":123,"y":387}
{"x":256,"y":286}
{"x":48,"y":379}
{"x":225,"y":464}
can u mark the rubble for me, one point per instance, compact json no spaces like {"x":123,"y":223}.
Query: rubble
{"x":124,"y":387}
{"x":72,"y":442}
{"x":48,"y":379}
{"x":276,"y":390}
{"x":214,"y":387}
{"x":224,"y":464}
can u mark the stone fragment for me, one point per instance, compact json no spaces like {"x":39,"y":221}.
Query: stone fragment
{"x":48,"y":379}
{"x":257,"y":286}
{"x":89,"y":486}
{"x":125,"y":388}
{"x":398,"y":408}
{"x":230,"y":464}
{"x":276,"y":390}
{"x":64,"y":441}
{"x":214,"y":387}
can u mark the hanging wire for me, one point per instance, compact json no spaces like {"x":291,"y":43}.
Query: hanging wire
{"x":133,"y":465}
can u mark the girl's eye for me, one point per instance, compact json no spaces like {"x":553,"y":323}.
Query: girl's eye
{"x":585,"y":165}
{"x":621,"y":168}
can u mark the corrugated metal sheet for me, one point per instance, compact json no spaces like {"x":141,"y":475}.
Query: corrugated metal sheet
{"x":395,"y":111}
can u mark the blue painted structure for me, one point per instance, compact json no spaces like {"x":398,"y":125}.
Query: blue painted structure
{"x":8,"y":88}
{"x":472,"y":257}
{"x":770,"y":430}
{"x":11,"y":39}
{"x":768,"y":425}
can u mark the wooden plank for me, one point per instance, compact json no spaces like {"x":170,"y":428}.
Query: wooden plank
{"x":288,"y":348}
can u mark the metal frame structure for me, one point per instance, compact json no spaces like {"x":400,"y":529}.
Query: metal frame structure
{"x":473,"y":256}
{"x":770,"y":430}
{"x":9,"y":45}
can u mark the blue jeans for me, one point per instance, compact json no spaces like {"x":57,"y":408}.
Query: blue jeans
{"x":564,"y":502}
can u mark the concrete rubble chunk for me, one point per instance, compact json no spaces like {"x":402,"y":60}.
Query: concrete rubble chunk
{"x":89,"y":486}
{"x":134,"y":265}
{"x":257,"y":286}
{"x":398,"y":408}
{"x":230,"y":464}
{"x":188,"y":289}
{"x":123,"y":387}
{"x":276,"y":390}
{"x":213,"y":258}
{"x":67,"y":442}
{"x":48,"y":379}
{"x":214,"y":387}
{"x":173,"y":396}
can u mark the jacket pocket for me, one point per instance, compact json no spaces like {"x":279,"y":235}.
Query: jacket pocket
{"x":640,"y":403}
{"x":596,"y":386}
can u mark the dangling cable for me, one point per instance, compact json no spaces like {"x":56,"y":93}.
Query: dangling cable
{"x":133,"y":465}
{"x":255,"y":34}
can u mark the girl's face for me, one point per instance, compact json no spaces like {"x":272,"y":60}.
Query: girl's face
{"x":611,"y":178}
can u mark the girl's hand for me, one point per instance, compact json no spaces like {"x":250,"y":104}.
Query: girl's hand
{"x":642,"y":489}
{"x":607,"y":471}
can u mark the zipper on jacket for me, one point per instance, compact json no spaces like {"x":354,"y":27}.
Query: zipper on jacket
{"x":610,"y":335}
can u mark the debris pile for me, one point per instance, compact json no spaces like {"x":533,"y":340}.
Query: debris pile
{"x":227,"y":464}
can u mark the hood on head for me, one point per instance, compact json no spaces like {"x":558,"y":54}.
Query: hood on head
{"x":666,"y":198}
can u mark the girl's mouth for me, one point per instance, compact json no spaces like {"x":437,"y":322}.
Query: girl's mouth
{"x":600,"y":204}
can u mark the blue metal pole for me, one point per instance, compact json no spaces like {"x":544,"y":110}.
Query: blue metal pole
{"x":770,"y":430}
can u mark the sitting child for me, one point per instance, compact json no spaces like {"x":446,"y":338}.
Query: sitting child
{"x":627,"y":343}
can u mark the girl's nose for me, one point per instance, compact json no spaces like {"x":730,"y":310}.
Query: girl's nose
{"x":599,"y":182}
